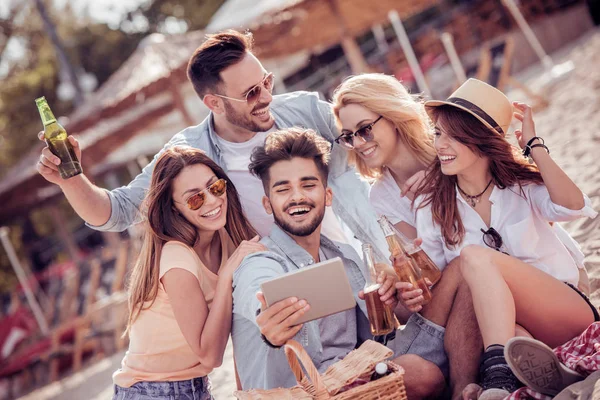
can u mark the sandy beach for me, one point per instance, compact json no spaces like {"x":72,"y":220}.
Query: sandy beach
{"x":571,"y":127}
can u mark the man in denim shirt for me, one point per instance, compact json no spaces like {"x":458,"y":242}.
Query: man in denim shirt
{"x":293,"y":168}
{"x":236,"y":88}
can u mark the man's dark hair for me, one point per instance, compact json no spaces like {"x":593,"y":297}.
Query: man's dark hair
{"x":218,"y":52}
{"x":287,"y":144}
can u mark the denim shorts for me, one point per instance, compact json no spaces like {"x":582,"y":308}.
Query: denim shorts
{"x":192,"y":389}
{"x":423,"y":338}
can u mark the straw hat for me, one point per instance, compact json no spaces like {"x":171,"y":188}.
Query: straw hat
{"x":484,"y":102}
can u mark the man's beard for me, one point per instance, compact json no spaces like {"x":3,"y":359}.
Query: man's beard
{"x":244,"y":121}
{"x":302,"y":230}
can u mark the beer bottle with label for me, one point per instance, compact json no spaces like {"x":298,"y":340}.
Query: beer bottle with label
{"x":56,"y":139}
{"x":381,"y":316}
{"x":405,"y":267}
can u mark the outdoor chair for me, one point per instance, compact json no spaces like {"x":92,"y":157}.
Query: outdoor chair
{"x":79,"y":316}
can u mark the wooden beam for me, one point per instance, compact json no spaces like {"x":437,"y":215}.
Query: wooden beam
{"x":64,"y":235}
{"x":180,"y":103}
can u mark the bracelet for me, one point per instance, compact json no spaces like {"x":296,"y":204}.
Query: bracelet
{"x":533,"y":146}
{"x":271,"y":345}
{"x":528,"y":147}
{"x":539,"y":145}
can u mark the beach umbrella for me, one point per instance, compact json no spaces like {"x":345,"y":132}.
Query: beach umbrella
{"x":286,"y":27}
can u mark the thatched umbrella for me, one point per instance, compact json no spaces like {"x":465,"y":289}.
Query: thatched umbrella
{"x":145,"y":88}
{"x":286,"y":27}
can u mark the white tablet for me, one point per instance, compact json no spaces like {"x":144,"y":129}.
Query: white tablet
{"x":324,"y":286}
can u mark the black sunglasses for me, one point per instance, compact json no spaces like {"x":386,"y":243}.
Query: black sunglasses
{"x":365,"y":133}
{"x":492,"y":239}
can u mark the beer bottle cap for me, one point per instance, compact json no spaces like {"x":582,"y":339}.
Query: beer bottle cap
{"x":381,"y":368}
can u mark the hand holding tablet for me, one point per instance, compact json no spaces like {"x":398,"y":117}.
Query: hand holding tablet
{"x":324,"y":286}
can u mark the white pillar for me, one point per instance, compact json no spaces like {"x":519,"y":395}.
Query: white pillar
{"x":379,"y":35}
{"x":457,"y":66}
{"x":529,"y":35}
{"x":22,"y":277}
{"x":408,"y":51}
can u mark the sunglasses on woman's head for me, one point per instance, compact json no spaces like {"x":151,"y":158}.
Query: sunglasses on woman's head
{"x":365,"y":133}
{"x":217,"y":189}
{"x":253,"y":94}
{"x":492,"y":239}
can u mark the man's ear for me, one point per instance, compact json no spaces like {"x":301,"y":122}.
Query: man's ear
{"x":214,"y":103}
{"x":267,"y":205}
{"x":328,"y":196}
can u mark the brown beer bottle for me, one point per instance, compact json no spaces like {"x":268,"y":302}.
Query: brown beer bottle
{"x":56,"y":139}
{"x":428,"y":268}
{"x":381,"y":316}
{"x":405,"y":267}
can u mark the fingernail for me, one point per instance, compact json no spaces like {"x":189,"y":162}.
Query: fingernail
{"x":302,"y":303}
{"x":307,"y":307}
{"x":294,"y":299}
{"x":420,"y":291}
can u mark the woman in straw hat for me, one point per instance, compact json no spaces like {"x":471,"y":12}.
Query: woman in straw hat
{"x":492,"y":207}
{"x":390,"y":141}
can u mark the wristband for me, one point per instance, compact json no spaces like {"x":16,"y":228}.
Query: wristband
{"x":264,"y":338}
{"x":533,"y":146}
{"x":527,"y":148}
{"x":271,"y":345}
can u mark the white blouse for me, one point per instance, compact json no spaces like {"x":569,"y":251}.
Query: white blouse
{"x":386,"y":198}
{"x":521,"y":219}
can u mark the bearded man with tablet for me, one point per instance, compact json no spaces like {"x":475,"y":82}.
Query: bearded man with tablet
{"x":293,"y":168}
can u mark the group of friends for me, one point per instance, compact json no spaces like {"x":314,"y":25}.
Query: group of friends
{"x":270,"y":184}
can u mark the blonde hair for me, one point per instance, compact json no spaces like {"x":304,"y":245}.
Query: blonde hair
{"x":386,"y":96}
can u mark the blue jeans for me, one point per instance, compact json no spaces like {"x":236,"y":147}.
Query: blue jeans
{"x":192,"y":389}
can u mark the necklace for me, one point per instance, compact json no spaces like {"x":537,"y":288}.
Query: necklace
{"x":473,"y":200}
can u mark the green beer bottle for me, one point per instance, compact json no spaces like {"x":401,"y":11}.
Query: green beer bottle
{"x":56,"y":139}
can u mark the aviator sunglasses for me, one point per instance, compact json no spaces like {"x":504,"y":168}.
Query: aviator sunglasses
{"x":217,"y":189}
{"x":365,"y":133}
{"x":253,"y":94}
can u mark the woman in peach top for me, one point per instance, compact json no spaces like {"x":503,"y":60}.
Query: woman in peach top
{"x":180,"y":297}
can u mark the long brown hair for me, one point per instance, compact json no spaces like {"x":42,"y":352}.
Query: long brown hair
{"x":164,"y":224}
{"x":506,"y":165}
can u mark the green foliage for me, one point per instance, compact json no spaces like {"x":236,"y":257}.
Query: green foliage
{"x":195,"y":13}
{"x":90,"y":46}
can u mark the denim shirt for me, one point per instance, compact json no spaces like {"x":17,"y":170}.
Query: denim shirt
{"x":326,"y":340}
{"x":350,"y":203}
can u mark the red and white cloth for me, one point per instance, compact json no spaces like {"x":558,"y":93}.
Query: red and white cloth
{"x":581,"y":354}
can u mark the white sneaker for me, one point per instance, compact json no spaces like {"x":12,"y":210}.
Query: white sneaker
{"x":536,"y":365}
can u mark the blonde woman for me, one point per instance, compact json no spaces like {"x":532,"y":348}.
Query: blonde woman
{"x":389,"y":138}
{"x":180,"y":294}
{"x":390,"y":141}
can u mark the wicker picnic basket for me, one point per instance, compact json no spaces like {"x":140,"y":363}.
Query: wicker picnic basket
{"x":358,"y":365}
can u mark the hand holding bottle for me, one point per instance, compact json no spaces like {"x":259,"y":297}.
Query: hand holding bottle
{"x":409,"y":296}
{"x":48,"y":163}
{"x":387,"y":291}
